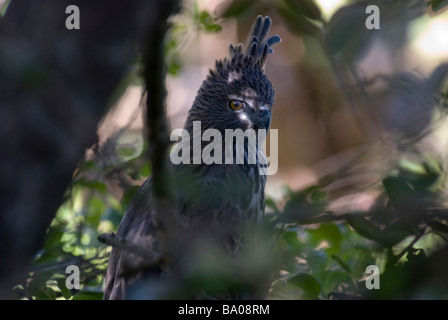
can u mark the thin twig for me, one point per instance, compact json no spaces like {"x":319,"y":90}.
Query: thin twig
{"x":397,"y":258}
{"x":158,"y":135}
{"x":329,"y":218}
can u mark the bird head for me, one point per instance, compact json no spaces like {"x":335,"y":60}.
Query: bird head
{"x":237,"y":94}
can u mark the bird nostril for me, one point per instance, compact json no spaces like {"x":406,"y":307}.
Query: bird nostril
{"x":263,"y":109}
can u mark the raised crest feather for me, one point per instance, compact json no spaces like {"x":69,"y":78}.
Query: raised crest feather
{"x":258,"y":46}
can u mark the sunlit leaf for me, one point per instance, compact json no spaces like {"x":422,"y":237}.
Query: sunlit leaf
{"x":96,"y":207}
{"x":174,"y":67}
{"x":4,"y":7}
{"x":93,"y":184}
{"x":421,"y":176}
{"x":212,"y":27}
{"x":207,"y":21}
{"x":327,"y":232}
{"x":439,"y":228}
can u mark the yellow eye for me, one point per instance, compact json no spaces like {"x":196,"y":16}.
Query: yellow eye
{"x":236,"y":104}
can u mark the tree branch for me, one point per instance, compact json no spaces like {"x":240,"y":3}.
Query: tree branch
{"x":158,"y":135}
{"x":117,"y":242}
{"x":56,"y":85}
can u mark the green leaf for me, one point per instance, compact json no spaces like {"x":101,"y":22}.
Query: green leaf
{"x":318,"y":196}
{"x":341,"y":263}
{"x":88,"y":165}
{"x":399,"y":192}
{"x":291,"y":239}
{"x":145,"y":170}
{"x":63,"y":288}
{"x":212,"y":27}
{"x":296,"y":21}
{"x":327,"y":232}
{"x":88,"y":295}
{"x":298,"y":208}
{"x":127,"y":151}
{"x":421,"y":176}
{"x":437,"y":5}
{"x":54,"y":236}
{"x":96,"y":208}
{"x":4,"y":7}
{"x":365,"y":228}
{"x":396,"y":232}
{"x":439,"y":228}
{"x":412,"y":166}
{"x":309,"y":190}
{"x":333,"y":280}
{"x":207,"y":22}
{"x":203,"y":15}
{"x":345,"y":35}
{"x":113,"y":216}
{"x":129,"y":195}
{"x":414,"y":256}
{"x":238,"y":7}
{"x":39,"y":281}
{"x":299,"y":214}
{"x":269,"y":203}
{"x":45,"y":294}
{"x":306,"y":7}
{"x":93,"y":184}
{"x":174,"y":68}
{"x":308,"y":284}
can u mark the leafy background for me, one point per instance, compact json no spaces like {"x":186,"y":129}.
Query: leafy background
{"x":322,"y":251}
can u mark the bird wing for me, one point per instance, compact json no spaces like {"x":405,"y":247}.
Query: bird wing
{"x":138,"y":226}
{"x":218,"y":202}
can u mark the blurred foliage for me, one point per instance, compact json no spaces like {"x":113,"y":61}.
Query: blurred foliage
{"x":320,"y":253}
{"x":437,"y":5}
{"x":327,"y":253}
{"x":3,"y":7}
{"x":88,"y":211}
{"x":184,"y":27}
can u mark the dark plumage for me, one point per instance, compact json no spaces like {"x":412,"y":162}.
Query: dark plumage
{"x":216,"y":200}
